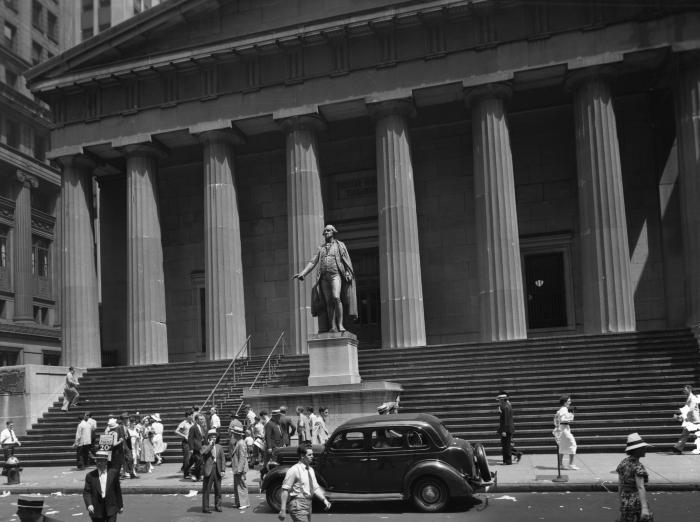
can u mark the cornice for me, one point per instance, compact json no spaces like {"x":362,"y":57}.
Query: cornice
{"x":29,"y":165}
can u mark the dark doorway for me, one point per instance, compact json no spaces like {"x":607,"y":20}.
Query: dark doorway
{"x":368,"y":325}
{"x":545,"y":289}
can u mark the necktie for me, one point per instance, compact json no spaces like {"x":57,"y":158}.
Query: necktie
{"x":311,"y":486}
{"x":12,"y":436}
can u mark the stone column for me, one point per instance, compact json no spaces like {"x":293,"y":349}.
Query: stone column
{"x":688,"y":139}
{"x":79,"y":307}
{"x":22,"y":258}
{"x":401,"y":286}
{"x":225,"y":305}
{"x":501,"y":301}
{"x":147,"y":335}
{"x":304,"y":221}
{"x":608,"y":300}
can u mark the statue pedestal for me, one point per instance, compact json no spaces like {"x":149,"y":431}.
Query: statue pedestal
{"x":333,"y":359}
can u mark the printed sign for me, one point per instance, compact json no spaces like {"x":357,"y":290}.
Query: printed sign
{"x":106,"y":442}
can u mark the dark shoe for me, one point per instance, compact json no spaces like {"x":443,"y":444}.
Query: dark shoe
{"x":676,"y":451}
{"x":507,"y":463}
{"x":518,"y":456}
{"x":218,"y":509}
{"x":206,"y":511}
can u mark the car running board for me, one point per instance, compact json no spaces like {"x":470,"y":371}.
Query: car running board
{"x":362,"y":497}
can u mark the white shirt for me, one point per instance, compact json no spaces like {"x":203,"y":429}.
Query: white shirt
{"x":8,"y":436}
{"x":103,"y":482}
{"x":296,"y":481}
{"x":215,"y":421}
{"x":83,"y":434}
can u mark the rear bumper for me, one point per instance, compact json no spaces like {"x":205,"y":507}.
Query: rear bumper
{"x":480,"y":485}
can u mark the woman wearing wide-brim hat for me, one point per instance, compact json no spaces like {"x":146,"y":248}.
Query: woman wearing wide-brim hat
{"x":633,"y":477}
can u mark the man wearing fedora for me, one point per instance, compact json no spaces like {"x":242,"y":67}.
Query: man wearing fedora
{"x":213,"y":466}
{"x":102,"y":492}
{"x":239,"y":463}
{"x":506,"y":429}
{"x":30,"y":507}
{"x":196,"y":439}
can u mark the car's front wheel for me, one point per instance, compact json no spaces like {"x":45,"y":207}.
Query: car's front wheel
{"x":273,"y":495}
{"x":482,"y":463}
{"x":430,"y":494}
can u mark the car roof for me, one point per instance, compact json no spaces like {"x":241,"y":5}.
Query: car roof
{"x":401,"y":419}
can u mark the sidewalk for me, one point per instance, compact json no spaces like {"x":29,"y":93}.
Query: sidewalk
{"x":667,"y":472}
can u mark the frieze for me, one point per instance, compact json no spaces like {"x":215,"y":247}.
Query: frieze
{"x":12,"y":381}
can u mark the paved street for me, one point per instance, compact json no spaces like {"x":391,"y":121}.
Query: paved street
{"x":516,"y":507}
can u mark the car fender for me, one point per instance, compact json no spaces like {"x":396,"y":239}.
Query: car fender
{"x":455,"y":482}
{"x":274,"y":475}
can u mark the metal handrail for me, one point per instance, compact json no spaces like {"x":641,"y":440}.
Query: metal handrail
{"x":232,"y":363}
{"x":257,"y":376}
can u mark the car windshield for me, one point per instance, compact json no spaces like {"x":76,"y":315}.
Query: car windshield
{"x":444,"y":434}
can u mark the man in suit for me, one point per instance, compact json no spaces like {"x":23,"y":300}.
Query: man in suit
{"x":213,"y":466}
{"x":287,"y":426}
{"x":506,"y":429}
{"x":196,"y":438}
{"x":102,"y":492}
{"x":273,"y":440}
{"x":29,"y":509}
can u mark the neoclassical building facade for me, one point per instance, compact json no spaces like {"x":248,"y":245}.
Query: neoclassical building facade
{"x":498,"y":170}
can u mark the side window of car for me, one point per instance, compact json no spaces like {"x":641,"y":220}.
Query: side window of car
{"x":387,"y":439}
{"x":416,"y":439}
{"x":348,"y":440}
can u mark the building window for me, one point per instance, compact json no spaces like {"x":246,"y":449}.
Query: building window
{"x":40,"y":258}
{"x":13,"y":136}
{"x":5,"y":272}
{"x":52,"y":358}
{"x":39,"y":147}
{"x":11,"y":78}
{"x":37,"y":52}
{"x":8,"y":358}
{"x":3,"y":248}
{"x":37,"y":15}
{"x":87,"y":6}
{"x":10,"y":37}
{"x":52,"y":26}
{"x":104,"y":15}
{"x":12,"y":4}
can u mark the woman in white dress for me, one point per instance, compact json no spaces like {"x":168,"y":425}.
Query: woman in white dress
{"x":562,"y":432}
{"x":158,"y":445}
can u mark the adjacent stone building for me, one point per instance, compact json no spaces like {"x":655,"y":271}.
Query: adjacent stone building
{"x":498,"y":170}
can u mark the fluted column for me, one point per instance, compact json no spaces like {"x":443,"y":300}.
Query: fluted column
{"x":78,"y":279}
{"x":688,"y":138}
{"x":501,"y":302}
{"x":147,"y":335}
{"x":225,"y":305}
{"x":608,"y":300}
{"x":401,"y":285}
{"x":22,"y":258}
{"x":304,"y":220}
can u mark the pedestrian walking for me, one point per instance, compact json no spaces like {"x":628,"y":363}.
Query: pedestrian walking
{"x":102,"y":493}
{"x":633,"y":478}
{"x":213,"y":468}
{"x":183,"y":431}
{"x":70,"y":390}
{"x":196,"y":438}
{"x":562,"y":432}
{"x":689,"y":416}
{"x":83,"y":441}
{"x":303,"y":426}
{"x":158,"y":445}
{"x":299,"y":487}
{"x":30,"y":508}
{"x":506,"y":429}
{"x":239,"y":464}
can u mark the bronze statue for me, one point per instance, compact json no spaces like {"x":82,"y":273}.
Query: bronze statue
{"x":336,"y":281}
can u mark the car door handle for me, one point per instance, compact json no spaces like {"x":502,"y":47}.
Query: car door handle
{"x":364,"y":460}
{"x":373,"y":460}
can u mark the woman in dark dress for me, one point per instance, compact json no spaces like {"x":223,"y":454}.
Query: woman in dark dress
{"x":633,"y":477}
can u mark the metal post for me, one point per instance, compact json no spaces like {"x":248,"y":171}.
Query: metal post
{"x":559,"y":477}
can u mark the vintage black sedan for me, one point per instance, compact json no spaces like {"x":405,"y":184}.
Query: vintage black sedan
{"x":391,"y":457}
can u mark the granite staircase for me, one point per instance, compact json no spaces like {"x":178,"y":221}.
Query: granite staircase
{"x":619,"y":384}
{"x":167,"y":389}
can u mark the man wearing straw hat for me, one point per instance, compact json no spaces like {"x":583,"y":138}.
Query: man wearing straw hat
{"x":102,"y":492}
{"x":30,"y":507}
{"x":239,"y":463}
{"x":213,"y":466}
{"x":633,"y":477}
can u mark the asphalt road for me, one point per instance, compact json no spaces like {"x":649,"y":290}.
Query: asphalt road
{"x":492,"y":507}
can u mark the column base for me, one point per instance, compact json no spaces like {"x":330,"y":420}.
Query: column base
{"x":333,"y":359}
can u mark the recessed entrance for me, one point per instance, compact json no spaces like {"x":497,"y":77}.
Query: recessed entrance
{"x":545,"y":290}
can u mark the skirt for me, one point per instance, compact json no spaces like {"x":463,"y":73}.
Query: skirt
{"x":565,"y":440}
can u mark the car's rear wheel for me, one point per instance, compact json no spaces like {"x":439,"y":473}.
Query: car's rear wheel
{"x":273,"y":495}
{"x":430,"y":494}
{"x":482,"y":463}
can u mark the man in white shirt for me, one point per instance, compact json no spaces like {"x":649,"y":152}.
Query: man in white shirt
{"x":214,"y":420}
{"x":8,"y":441}
{"x":183,"y":431}
{"x":102,"y":493}
{"x":250,"y":415}
{"x":83,"y":441}
{"x":299,"y":488}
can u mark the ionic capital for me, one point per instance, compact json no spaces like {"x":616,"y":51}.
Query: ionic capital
{"x":26,"y":180}
{"x":576,"y":79}
{"x":397,"y":107}
{"x":500,"y":91}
